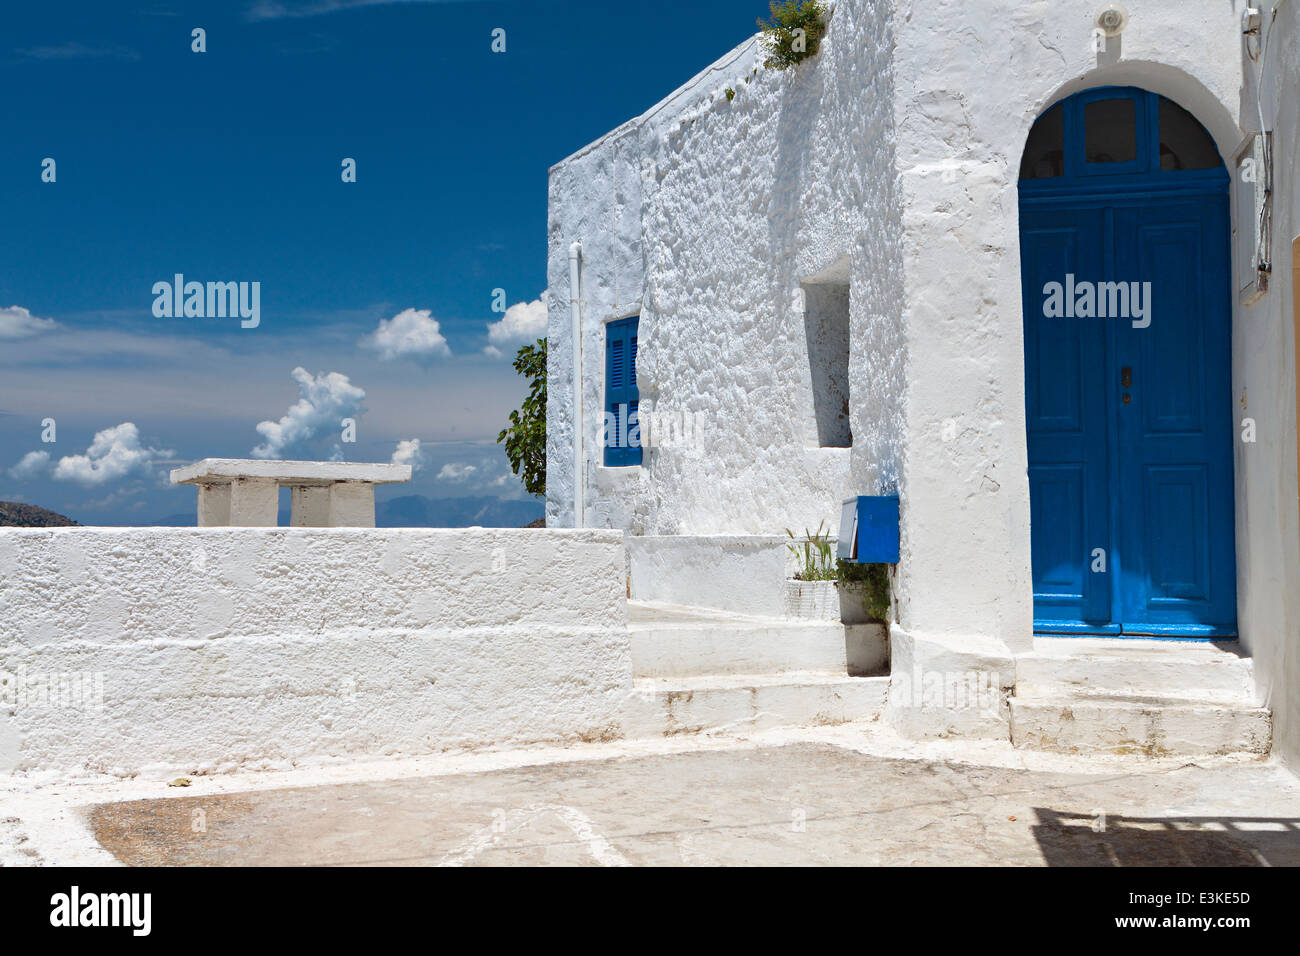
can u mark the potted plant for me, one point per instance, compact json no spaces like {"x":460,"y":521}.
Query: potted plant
{"x":812,"y":592}
{"x":826,"y":589}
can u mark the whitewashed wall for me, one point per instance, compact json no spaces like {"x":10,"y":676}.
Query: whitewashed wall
{"x":704,"y":215}
{"x":1264,"y":377}
{"x":971,"y":79}
{"x":741,"y":573}
{"x":899,"y":146}
{"x":219,"y":648}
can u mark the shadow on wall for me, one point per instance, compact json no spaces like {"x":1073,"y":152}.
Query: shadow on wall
{"x":1076,"y":839}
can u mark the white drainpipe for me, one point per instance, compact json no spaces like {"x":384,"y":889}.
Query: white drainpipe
{"x":575,"y":309}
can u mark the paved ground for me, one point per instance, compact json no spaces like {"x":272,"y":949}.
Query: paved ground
{"x":801,"y":802}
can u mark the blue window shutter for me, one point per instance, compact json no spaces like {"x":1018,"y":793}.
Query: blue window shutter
{"x":621,"y":396}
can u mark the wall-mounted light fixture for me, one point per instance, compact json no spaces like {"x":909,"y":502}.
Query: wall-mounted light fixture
{"x":1112,"y":19}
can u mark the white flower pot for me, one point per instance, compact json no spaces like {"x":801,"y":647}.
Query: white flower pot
{"x":826,"y":601}
{"x":814,"y":600}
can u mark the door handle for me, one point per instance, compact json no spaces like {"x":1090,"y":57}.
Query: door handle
{"x":1126,"y":376}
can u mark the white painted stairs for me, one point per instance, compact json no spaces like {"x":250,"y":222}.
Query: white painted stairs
{"x":697,"y":670}
{"x":1137,"y":696}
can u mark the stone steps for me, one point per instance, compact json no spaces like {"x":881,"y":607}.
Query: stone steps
{"x":667,"y":643}
{"x":1197,"y":671}
{"x":665,"y":707}
{"x":1152,"y":727}
{"x":697,"y":670}
{"x":1134,"y":696}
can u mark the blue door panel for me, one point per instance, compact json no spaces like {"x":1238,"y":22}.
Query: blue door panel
{"x":1058,"y":499}
{"x":1066,"y":423}
{"x":1178,"y":536}
{"x":1171,"y":356}
{"x":1176,"y":508}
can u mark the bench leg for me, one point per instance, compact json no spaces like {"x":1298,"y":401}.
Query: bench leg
{"x":214,"y":505}
{"x":254,"y":502}
{"x":310,"y":506}
{"x":352,"y":505}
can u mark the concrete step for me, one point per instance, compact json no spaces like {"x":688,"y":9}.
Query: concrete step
{"x":667,"y":707}
{"x":1097,"y":724}
{"x":1192,"y":671}
{"x":674,"y":641}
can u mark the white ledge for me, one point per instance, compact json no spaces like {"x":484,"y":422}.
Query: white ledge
{"x":215,"y":471}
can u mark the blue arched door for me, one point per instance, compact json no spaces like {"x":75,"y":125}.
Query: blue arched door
{"x":1124,"y":243}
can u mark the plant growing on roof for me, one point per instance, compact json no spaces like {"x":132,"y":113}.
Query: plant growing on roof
{"x":794,"y":32}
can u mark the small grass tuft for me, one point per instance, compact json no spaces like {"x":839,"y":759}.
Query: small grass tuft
{"x":813,"y":554}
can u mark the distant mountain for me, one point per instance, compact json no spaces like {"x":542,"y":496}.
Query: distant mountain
{"x":16,"y":515}
{"x":188,"y":519}
{"x":419,"y":511}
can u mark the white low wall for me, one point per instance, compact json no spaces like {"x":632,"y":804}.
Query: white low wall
{"x":129,"y":650}
{"x":742,"y":573}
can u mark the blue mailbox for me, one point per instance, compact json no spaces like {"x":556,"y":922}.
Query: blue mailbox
{"x":869,"y":530}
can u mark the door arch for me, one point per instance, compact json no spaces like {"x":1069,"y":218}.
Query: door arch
{"x":1124,"y":243}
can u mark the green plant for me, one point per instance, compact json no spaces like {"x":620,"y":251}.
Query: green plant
{"x":814,"y":555}
{"x":874,"y":579}
{"x":794,"y":33}
{"x":526,"y":437}
{"x":816,"y":561}
{"x":731,"y":94}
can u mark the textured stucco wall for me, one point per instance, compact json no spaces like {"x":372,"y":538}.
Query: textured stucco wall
{"x":705,"y":215}
{"x":219,"y":648}
{"x":971,"y":79}
{"x":899,"y":146}
{"x":965,"y":501}
{"x":1264,"y":379}
{"x":742,"y":573}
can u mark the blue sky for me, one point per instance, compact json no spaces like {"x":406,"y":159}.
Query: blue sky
{"x":225,"y":166}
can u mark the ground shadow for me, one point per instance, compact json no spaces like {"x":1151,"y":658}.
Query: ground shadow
{"x":1081,"y":839}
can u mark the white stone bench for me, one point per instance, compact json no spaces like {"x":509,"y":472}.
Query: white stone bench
{"x":245,"y":492}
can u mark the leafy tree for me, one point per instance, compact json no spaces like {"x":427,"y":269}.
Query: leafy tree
{"x":794,"y":33}
{"x":526,"y":437}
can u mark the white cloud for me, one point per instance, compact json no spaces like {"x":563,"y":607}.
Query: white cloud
{"x":413,"y":332}
{"x":455,"y":471}
{"x":279,"y":10}
{"x":523,"y":322}
{"x":325,"y":401}
{"x":17,"y":323}
{"x":113,"y":499}
{"x":33,"y":465}
{"x":408,"y":452}
{"x":115,"y":452}
{"x":76,"y":50}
